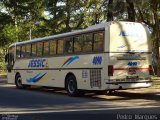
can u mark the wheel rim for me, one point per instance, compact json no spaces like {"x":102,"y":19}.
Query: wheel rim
{"x":19,"y":82}
{"x":71,"y":86}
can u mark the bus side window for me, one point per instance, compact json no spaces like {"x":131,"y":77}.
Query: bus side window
{"x":28,"y":50}
{"x":39,"y":48}
{"x":34,"y":51}
{"x":45,"y":48}
{"x":69,"y":45}
{"x":18,"y":52}
{"x":60,"y":46}
{"x":87,"y":42}
{"x":98,"y":41}
{"x":77,"y":44}
{"x":23,"y":50}
{"x":53,"y":47}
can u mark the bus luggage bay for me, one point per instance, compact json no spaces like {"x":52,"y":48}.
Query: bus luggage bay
{"x":103,"y":57}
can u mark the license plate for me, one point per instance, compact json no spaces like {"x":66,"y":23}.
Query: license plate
{"x":132,"y":78}
{"x":131,"y":71}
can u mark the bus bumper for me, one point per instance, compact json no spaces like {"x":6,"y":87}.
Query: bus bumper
{"x":128,"y":85}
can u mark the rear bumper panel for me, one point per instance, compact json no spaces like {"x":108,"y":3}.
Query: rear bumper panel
{"x":129,"y":85}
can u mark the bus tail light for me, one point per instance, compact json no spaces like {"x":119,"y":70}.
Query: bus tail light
{"x":150,"y":70}
{"x":110,"y":70}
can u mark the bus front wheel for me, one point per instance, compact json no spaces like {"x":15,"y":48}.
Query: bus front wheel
{"x":18,"y":82}
{"x":71,"y":86}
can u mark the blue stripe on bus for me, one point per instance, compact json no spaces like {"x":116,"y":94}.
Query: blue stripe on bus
{"x":36,"y":78}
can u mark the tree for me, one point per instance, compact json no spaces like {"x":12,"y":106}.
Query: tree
{"x":24,"y":13}
{"x":147,"y":12}
{"x":109,"y":12}
{"x":131,"y":10}
{"x":4,"y":20}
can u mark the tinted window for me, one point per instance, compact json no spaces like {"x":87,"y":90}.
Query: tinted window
{"x":23,"y":50}
{"x":18,"y":52}
{"x":87,"y":42}
{"x":77,"y":44}
{"x":69,"y":45}
{"x":53,"y":47}
{"x":39,"y":48}
{"x":34,"y":53}
{"x":28,"y":50}
{"x":98,"y":41}
{"x":60,"y":47}
{"x":45,"y":48}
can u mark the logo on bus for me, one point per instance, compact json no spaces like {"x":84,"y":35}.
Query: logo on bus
{"x":132,"y":63}
{"x":129,"y":33}
{"x":38,"y":63}
{"x":97,"y":60}
{"x":123,"y":34}
{"x":137,"y":37}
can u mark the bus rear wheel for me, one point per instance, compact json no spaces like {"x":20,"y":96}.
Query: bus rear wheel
{"x":18,"y":82}
{"x":71,"y":86}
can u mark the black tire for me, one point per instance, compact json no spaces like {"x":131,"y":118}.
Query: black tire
{"x":18,"y":82}
{"x":71,"y":86}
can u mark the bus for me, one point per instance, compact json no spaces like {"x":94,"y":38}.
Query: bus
{"x":108,"y":56}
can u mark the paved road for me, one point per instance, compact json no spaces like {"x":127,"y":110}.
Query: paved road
{"x":47,"y":104}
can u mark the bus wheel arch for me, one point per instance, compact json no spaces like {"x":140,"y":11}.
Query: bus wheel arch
{"x":71,"y":84}
{"x":18,"y":81}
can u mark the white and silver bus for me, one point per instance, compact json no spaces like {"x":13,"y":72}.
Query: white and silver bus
{"x":103,"y":57}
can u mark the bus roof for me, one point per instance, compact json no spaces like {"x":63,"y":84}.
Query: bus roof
{"x":92,"y":28}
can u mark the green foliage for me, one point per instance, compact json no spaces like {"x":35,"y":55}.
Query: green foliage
{"x":2,"y":62}
{"x":4,"y":20}
{"x":58,"y":16}
{"x":10,"y":33}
